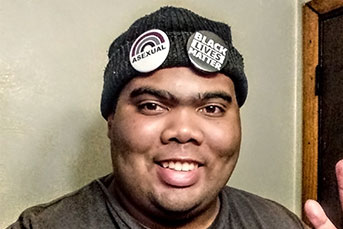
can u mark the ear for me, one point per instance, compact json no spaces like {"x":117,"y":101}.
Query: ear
{"x":109,"y":125}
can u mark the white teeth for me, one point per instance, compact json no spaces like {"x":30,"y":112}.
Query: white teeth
{"x":185,"y":167}
{"x":180,"y":166}
{"x":191,"y":166}
{"x":165,"y":164}
{"x":171,"y":165}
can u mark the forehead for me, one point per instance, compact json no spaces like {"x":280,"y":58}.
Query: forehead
{"x":182,"y":81}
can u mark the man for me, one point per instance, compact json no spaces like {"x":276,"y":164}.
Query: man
{"x":172,"y":91}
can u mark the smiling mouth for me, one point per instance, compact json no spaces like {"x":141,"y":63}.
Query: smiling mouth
{"x":179,"y":166}
{"x":179,"y":173}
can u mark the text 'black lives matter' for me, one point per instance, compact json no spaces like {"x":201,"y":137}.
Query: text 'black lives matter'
{"x":207,"y":51}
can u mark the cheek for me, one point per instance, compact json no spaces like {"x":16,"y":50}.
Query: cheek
{"x":225,"y":139}
{"x":134,"y":135}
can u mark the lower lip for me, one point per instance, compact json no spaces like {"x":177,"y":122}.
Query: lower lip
{"x":179,"y":179}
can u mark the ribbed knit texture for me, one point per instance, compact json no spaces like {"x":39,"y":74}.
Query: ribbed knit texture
{"x":179,"y":24}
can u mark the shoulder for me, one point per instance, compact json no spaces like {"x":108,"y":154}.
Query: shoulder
{"x":250,"y":209}
{"x":237,"y":196}
{"x":76,"y":207}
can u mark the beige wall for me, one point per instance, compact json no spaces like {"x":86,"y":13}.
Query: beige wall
{"x":52,"y":56}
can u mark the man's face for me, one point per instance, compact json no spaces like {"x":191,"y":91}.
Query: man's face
{"x":175,"y":139}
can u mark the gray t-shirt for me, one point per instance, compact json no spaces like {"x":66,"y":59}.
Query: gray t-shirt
{"x":93,"y":207}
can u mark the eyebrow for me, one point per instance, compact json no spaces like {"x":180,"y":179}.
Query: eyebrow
{"x":161,"y":94}
{"x":217,"y":94}
{"x":165,"y":95}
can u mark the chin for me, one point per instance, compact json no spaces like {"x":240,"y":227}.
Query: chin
{"x":180,"y":207}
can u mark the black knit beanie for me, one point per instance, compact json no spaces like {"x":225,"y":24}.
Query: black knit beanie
{"x":178,"y":24}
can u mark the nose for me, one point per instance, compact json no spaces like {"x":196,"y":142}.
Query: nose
{"x":182,"y":126}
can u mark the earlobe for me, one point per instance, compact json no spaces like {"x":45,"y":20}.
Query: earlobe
{"x":109,"y":125}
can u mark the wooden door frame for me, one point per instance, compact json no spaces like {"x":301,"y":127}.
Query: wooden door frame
{"x":311,"y":12}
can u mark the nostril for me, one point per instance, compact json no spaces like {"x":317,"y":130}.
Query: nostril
{"x":183,"y":141}
{"x":175,"y":140}
{"x":182,"y":133}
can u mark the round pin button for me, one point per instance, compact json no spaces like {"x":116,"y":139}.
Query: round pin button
{"x":149,"y":50}
{"x":207,"y":51}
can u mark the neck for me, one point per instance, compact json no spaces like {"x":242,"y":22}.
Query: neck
{"x":203,"y":219}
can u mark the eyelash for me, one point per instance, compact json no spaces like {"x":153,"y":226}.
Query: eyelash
{"x":218,"y":110}
{"x":153,"y":108}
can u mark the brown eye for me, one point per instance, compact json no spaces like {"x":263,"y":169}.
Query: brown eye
{"x":151,"y":108}
{"x":212,"y":110}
